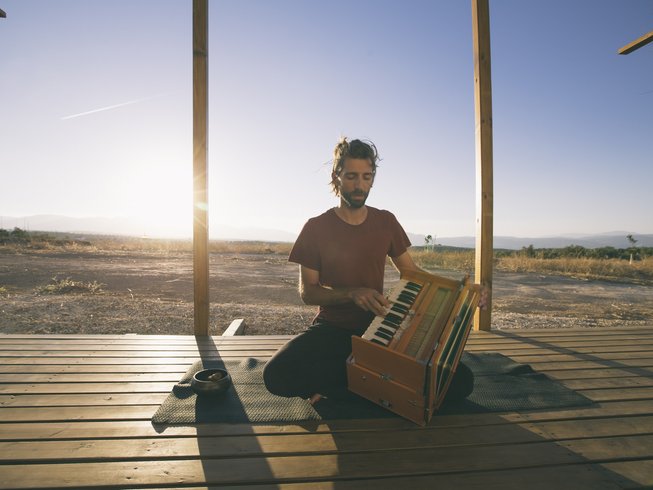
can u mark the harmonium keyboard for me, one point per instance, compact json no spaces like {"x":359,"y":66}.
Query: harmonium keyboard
{"x":406,"y":359}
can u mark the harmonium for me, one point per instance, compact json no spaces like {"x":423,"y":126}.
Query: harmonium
{"x":405,"y":360}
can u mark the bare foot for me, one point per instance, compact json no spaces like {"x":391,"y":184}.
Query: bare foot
{"x":315,"y":398}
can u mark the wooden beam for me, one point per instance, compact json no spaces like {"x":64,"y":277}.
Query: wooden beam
{"x":484,"y":180}
{"x":637,"y":43}
{"x":237,"y":327}
{"x":200,"y":167}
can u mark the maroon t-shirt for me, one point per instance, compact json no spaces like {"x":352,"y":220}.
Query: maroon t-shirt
{"x":349,"y":256}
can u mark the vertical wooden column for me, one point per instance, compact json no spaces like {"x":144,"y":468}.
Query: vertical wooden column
{"x":484,"y":180}
{"x":200,"y":167}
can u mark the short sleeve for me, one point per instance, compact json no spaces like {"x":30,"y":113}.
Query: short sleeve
{"x":399,"y":241}
{"x":306,"y":250}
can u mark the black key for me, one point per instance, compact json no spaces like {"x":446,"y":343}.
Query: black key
{"x":386,"y":331}
{"x":413,"y":286}
{"x":390,"y":324}
{"x":394,"y":318}
{"x":400,"y":309}
{"x":383,"y":335}
{"x":406,"y":298}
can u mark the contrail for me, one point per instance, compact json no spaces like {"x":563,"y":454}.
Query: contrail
{"x":109,"y":107}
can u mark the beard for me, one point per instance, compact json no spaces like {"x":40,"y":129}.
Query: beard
{"x":353,"y":199}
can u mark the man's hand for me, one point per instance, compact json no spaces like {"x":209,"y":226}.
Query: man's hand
{"x":482,"y":302}
{"x":370,"y":300}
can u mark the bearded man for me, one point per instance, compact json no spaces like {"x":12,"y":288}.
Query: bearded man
{"x":342,"y":256}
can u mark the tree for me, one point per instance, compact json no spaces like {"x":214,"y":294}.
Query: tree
{"x":633,"y":248}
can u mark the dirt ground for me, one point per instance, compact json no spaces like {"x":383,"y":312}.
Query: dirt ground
{"x":152,"y":293}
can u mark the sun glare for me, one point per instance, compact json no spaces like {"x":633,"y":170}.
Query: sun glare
{"x":161,"y":204}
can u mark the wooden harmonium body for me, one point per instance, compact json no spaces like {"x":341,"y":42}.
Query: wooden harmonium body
{"x":405,"y":361}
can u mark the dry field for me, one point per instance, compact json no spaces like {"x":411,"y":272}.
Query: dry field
{"x":127,"y":290}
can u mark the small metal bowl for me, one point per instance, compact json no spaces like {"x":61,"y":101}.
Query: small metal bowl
{"x":211,"y":382}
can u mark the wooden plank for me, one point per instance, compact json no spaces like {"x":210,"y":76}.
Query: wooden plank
{"x":573,"y":477}
{"x":237,"y":327}
{"x":146,"y":338}
{"x":616,"y":407}
{"x":639,"y":472}
{"x":544,"y":351}
{"x":567,"y":343}
{"x":64,"y":414}
{"x":120,"y":385}
{"x":170,"y":377}
{"x":573,"y":364}
{"x":567,"y":333}
{"x":49,"y":357}
{"x":111,"y":429}
{"x":610,"y":358}
{"x":592,"y":428}
{"x":61,"y":388}
{"x":605,"y":383}
{"x":570,"y":477}
{"x":597,"y":373}
{"x":226,"y":343}
{"x":179,"y":368}
{"x":112,"y":351}
{"x":645,"y":393}
{"x":82,"y":399}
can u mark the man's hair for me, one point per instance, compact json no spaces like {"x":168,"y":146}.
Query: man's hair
{"x":351,"y":149}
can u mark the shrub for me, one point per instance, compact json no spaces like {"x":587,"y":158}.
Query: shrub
{"x":66,"y":286}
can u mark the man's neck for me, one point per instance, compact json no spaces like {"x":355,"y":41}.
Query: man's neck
{"x":352,"y":216}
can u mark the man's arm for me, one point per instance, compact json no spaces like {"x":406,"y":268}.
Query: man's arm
{"x":404,"y":262}
{"x":314,"y":293}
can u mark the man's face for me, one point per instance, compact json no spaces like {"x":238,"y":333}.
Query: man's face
{"x":356,"y":179}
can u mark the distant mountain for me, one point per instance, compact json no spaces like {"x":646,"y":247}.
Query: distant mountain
{"x":616,"y":239}
{"x":123,"y":226}
{"x":128,"y":227}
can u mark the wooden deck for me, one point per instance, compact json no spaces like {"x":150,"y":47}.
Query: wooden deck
{"x":75,"y":412}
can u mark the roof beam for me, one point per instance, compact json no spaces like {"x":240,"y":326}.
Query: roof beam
{"x":637,"y":43}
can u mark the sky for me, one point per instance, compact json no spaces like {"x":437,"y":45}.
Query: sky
{"x":96,"y":112}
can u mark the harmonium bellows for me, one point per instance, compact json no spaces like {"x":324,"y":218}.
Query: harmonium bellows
{"x":406,"y":359}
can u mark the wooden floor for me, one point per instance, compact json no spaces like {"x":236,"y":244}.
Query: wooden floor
{"x":75,"y":412}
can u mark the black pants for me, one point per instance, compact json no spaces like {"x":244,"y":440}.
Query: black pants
{"x":315,"y":362}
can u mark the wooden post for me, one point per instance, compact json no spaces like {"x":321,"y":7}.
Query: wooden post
{"x":200,"y":168}
{"x":484,"y":181}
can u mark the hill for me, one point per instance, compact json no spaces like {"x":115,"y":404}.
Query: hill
{"x":123,"y":226}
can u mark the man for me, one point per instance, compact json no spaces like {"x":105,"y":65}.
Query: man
{"x":342,"y":255}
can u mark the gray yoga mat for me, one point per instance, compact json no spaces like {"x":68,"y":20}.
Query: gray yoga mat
{"x":500,"y":384}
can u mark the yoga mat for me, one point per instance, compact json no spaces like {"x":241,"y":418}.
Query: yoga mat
{"x":500,"y":384}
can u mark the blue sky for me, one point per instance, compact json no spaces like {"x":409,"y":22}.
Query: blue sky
{"x":96,"y":111}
